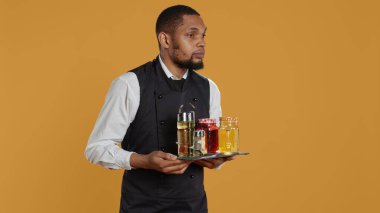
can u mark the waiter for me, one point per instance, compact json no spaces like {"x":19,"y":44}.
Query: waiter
{"x":140,"y":114}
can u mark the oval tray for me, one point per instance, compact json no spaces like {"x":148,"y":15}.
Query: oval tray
{"x":218,"y":155}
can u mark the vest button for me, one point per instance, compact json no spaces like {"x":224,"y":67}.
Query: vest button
{"x":160,"y":97}
{"x":162,"y":122}
{"x":192,"y":176}
{"x":195,"y":99}
{"x":162,"y":148}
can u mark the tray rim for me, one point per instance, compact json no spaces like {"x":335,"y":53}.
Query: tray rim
{"x":218,"y":155}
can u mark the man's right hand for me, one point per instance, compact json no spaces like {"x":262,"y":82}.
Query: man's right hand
{"x":159,"y":161}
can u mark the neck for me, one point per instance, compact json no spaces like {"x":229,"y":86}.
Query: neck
{"x":173,"y":68}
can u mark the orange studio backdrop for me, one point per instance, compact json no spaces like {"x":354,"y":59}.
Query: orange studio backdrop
{"x":302,"y":76}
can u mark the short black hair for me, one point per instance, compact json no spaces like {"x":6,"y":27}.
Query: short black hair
{"x":170,"y":18}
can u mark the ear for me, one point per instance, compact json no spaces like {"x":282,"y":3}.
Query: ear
{"x":164,"y":40}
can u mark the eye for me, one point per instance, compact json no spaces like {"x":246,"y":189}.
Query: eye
{"x":204,"y":35}
{"x":190,"y":35}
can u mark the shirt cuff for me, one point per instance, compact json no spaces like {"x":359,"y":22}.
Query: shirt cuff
{"x":122,"y":159}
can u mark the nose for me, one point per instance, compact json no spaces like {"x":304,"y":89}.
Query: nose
{"x":201,"y":42}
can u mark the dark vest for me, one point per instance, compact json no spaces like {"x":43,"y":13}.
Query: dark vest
{"x":154,"y":128}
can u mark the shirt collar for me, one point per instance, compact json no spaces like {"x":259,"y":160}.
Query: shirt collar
{"x":168,"y":73}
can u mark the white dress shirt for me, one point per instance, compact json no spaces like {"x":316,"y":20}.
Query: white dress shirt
{"x":118,"y":112}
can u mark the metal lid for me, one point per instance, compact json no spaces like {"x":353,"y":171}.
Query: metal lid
{"x":229,"y":120}
{"x":191,"y":116}
{"x":207,"y":120}
{"x":199,"y":133}
{"x":186,"y":116}
{"x":182,"y":116}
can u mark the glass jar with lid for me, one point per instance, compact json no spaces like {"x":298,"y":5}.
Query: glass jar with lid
{"x":211,"y":134}
{"x":228,"y":135}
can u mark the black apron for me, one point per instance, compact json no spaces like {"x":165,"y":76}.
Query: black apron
{"x":154,"y":128}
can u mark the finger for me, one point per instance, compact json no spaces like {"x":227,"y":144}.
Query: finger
{"x":181,"y":171}
{"x":215,"y":161}
{"x":178,"y":172}
{"x":174,"y":169}
{"x":169,"y":163}
{"x":205,"y":163}
{"x":230,"y":158}
{"x":166,"y":156}
{"x":211,"y":160}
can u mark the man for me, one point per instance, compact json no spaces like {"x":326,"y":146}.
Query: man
{"x":140,"y":114}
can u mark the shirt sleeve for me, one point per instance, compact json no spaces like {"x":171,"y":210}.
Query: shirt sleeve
{"x":215,"y":101}
{"x":103,"y":147}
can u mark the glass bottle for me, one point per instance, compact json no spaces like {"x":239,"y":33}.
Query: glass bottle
{"x":191,"y":128}
{"x":185,"y":134}
{"x":199,"y":143}
{"x":182,"y":135}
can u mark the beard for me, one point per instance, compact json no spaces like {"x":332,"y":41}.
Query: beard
{"x":188,"y":64}
{"x":185,"y":63}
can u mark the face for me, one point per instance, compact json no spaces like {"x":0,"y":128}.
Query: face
{"x":188,"y":43}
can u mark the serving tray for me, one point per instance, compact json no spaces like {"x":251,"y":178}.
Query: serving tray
{"x":218,"y":155}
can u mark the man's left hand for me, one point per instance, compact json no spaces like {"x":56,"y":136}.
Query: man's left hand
{"x":213,"y":163}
